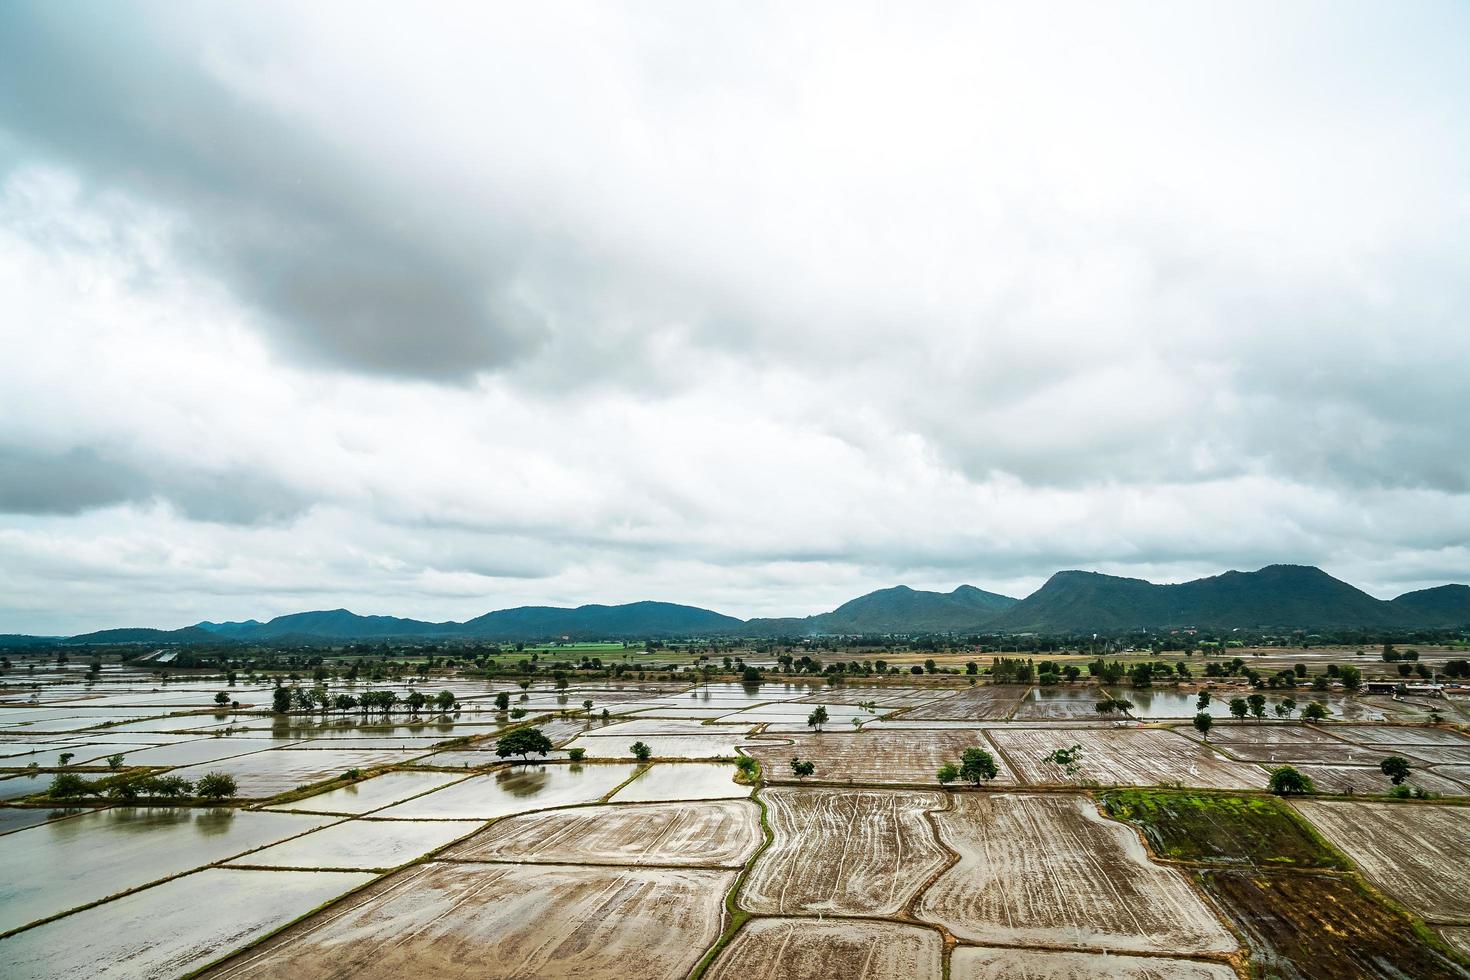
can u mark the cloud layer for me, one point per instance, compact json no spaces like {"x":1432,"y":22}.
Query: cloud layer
{"x":747,"y":306}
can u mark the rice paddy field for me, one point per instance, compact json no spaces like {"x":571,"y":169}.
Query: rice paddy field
{"x":389,"y":847}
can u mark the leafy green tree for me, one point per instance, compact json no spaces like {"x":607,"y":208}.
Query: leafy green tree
{"x":1396,"y":768}
{"x":817,"y":718}
{"x":115,"y":761}
{"x":1257,"y":703}
{"x":948,"y":773}
{"x":1288,"y":781}
{"x":281,"y":700}
{"x":502,"y":700}
{"x":751,"y":677}
{"x":1239,"y":708}
{"x":68,"y":786}
{"x":1315,"y":711}
{"x":977,"y":765}
{"x":1352,"y":679}
{"x":802,"y":768}
{"x":221,"y":699}
{"x":415,"y":701}
{"x":748,"y":766}
{"x":445,"y":701}
{"x":1203,"y":723}
{"x":641,"y":751}
{"x":577,"y":754}
{"x":1285,"y":707}
{"x":523,"y":742}
{"x":215,"y":786}
{"x":1069,"y":759}
{"x":1202,"y":701}
{"x":587,"y":707}
{"x":66,"y":757}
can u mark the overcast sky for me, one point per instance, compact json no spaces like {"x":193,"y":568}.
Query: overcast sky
{"x":427,"y":312}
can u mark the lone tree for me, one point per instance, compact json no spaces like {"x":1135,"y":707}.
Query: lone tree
{"x":1352,"y":679}
{"x":446,"y":701}
{"x":948,"y":773}
{"x":1202,"y":723}
{"x":523,"y":742}
{"x":977,"y":764}
{"x":1203,"y":701}
{"x":1396,"y":768}
{"x":502,"y":701}
{"x":1239,"y":708}
{"x":221,"y":699}
{"x":802,"y":768}
{"x":641,"y":751}
{"x":215,"y":786}
{"x":1109,"y":705}
{"x":817,"y":718}
{"x":1288,"y":781}
{"x":1314,"y":711}
{"x":751,"y":677}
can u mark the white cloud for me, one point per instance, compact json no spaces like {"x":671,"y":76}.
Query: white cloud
{"x":755,"y":308}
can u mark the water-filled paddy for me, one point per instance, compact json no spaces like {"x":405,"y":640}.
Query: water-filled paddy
{"x":362,"y":844}
{"x":171,"y":929}
{"x":373,"y":793}
{"x":66,"y":863}
{"x":515,"y":790}
{"x":669,"y":781}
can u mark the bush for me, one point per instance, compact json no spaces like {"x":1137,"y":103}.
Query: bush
{"x":641,"y":751}
{"x":948,"y":773}
{"x":68,"y":786}
{"x":215,"y":786}
{"x":576,"y":755}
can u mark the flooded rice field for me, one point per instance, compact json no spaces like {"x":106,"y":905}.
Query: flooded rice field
{"x":391,"y":846}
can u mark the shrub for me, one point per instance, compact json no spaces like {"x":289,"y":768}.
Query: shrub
{"x":1288,"y":781}
{"x":576,"y":755}
{"x":215,"y":786}
{"x":68,"y":786}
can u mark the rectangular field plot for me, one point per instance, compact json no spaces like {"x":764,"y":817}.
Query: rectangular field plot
{"x":518,"y":789}
{"x":358,"y":845}
{"x":263,"y":774}
{"x":1343,"y":753}
{"x":1051,"y":870}
{"x":797,"y":949}
{"x":664,"y":746}
{"x":173,"y":928}
{"x":1124,"y":757}
{"x":67,"y":863}
{"x":1436,"y":754}
{"x":1216,"y":829}
{"x":1403,"y":735}
{"x":982,"y":963}
{"x":1370,"y":781}
{"x":372,"y":794}
{"x":715,"y":834}
{"x":1059,"y":703}
{"x":1247,"y":734}
{"x":1313,"y":926}
{"x":977,"y":703}
{"x":462,"y":921}
{"x":879,"y":757}
{"x":844,"y":852}
{"x":669,"y":781}
{"x":1416,"y":853}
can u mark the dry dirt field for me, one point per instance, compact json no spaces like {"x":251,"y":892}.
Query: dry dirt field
{"x":1415,"y":852}
{"x":892,"y":757}
{"x":981,"y":702}
{"x":452,"y":921}
{"x":804,"y":949}
{"x":1051,"y":870}
{"x":1124,"y":757}
{"x":987,"y":963}
{"x":723,"y":833}
{"x":844,"y":852}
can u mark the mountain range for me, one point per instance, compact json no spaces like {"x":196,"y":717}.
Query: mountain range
{"x":1274,"y":597}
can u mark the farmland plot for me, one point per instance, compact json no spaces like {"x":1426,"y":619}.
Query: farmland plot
{"x":798,"y":949}
{"x":1415,"y":853}
{"x":668,"y":781}
{"x":170,"y":929}
{"x":716,"y":834}
{"x":1124,"y":757}
{"x":1059,"y":703}
{"x":1051,"y":870}
{"x":891,"y":757}
{"x":1321,"y":926}
{"x":1449,"y":754}
{"x":980,"y":702}
{"x":518,"y":789}
{"x":710,"y":746}
{"x":988,"y":963}
{"x":455,"y":921}
{"x":1369,"y":780}
{"x":361,"y":845}
{"x":1218,"y":829}
{"x":844,"y":852}
{"x":1402,"y":735}
{"x":1343,"y":753}
{"x":1266,"y":735}
{"x":275,"y":771}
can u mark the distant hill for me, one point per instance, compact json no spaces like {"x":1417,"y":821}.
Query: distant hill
{"x":1282,"y":596}
{"x":1274,"y":597}
{"x":1443,"y":606}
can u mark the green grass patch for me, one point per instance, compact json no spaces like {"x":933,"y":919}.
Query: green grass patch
{"x":1245,"y":831}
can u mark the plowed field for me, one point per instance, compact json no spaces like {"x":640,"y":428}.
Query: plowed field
{"x":1124,"y":757}
{"x":804,"y":949}
{"x":895,"y":757}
